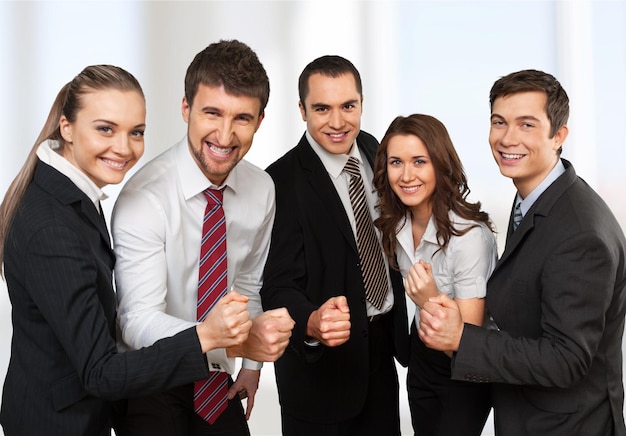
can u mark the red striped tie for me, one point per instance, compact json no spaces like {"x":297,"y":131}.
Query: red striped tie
{"x":210,"y":396}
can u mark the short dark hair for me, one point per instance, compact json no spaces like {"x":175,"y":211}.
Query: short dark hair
{"x":557,"y":103}
{"x":231,"y":64}
{"x":331,"y":66}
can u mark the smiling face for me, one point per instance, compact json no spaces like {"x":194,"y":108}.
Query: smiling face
{"x":411,"y":173}
{"x":332,"y":111}
{"x":520,"y":139}
{"x":107,"y":137}
{"x":220,"y":129}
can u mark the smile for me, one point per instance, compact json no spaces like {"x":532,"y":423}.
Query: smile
{"x":222,"y":151}
{"x":409,"y":189}
{"x":512,"y":156}
{"x":113,"y":164}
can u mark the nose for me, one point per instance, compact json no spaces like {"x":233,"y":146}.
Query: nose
{"x":335,"y":120}
{"x":121,"y":145}
{"x":508,"y":137}
{"x":407,"y":173}
{"x":225,"y":132}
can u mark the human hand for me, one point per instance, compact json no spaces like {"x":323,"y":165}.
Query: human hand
{"x":268,"y":337}
{"x":246,"y":386}
{"x":330,"y":324}
{"x":420,"y":284}
{"x":227,"y":324}
{"x":441,"y":325}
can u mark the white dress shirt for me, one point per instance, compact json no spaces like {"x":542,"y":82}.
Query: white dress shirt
{"x":157,"y":227}
{"x":46,"y":152}
{"x":462,"y":269}
{"x":334,"y":164}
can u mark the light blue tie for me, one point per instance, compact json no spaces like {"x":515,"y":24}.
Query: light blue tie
{"x":517,"y":215}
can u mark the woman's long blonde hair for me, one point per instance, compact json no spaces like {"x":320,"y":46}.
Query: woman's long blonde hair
{"x":68,"y":103}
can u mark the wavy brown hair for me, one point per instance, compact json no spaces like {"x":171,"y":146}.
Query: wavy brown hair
{"x":451,"y":189}
{"x":68,"y":102}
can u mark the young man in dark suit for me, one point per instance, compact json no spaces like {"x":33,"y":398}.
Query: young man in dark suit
{"x":337,"y":376}
{"x":557,"y":296}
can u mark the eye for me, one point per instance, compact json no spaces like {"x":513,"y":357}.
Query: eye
{"x":105,"y":129}
{"x":321,"y":109}
{"x":497,"y":123}
{"x":243,"y":119}
{"x":137,"y":133}
{"x":349,"y":107}
{"x":394,"y":162}
{"x":420,"y":161}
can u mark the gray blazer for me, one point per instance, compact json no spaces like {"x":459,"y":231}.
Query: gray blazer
{"x":558,"y":295}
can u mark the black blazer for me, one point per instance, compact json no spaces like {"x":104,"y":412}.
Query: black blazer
{"x":313,"y":256}
{"x":558,"y":294}
{"x":64,"y":366}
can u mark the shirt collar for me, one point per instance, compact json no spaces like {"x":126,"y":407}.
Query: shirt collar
{"x":193,"y":179}
{"x":530,"y":199}
{"x":334,"y":163}
{"x":46,"y":152}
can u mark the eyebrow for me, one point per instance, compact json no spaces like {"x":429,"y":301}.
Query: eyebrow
{"x":113,"y":123}
{"x":324,"y":105}
{"x":520,"y":118}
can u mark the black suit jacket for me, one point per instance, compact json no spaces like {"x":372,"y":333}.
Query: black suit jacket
{"x":313,"y":256}
{"x":64,"y":366}
{"x":558,"y":294}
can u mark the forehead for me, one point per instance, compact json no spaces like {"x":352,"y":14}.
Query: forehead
{"x":324,"y":89}
{"x":217,"y":97}
{"x":531,"y":103}
{"x":112,"y":104}
{"x":406,"y":144}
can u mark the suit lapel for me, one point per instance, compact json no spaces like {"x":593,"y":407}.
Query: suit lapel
{"x":66,"y":192}
{"x":322,"y":187}
{"x":542,"y":207}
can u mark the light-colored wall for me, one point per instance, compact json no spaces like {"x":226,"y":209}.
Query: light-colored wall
{"x":436,"y":57}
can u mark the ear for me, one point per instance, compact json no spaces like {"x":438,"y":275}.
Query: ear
{"x":65,"y":128}
{"x":560,"y":136}
{"x":185,"y":109}
{"x":302,"y":110}
{"x":261,"y":118}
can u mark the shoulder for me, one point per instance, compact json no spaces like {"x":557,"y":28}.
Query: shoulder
{"x":478,"y":231}
{"x":255,"y":179}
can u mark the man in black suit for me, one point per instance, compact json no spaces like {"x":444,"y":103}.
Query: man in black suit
{"x":557,"y":296}
{"x":338,"y":375}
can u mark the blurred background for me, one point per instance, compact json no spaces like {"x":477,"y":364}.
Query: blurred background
{"x":433,"y":57}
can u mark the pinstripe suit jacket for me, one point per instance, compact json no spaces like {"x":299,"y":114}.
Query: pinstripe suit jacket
{"x":64,"y":368}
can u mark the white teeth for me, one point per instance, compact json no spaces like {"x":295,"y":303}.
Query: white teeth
{"x":512,"y":156}
{"x":118,"y":165}
{"x":409,"y":189}
{"x":220,"y":150}
{"x":336,"y":135}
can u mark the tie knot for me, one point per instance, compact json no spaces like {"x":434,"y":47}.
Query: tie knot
{"x":352,"y":167}
{"x":214,"y":196}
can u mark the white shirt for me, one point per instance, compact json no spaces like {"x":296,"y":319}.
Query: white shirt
{"x":462,"y":269}
{"x":46,"y":152}
{"x":157,"y":227}
{"x":334,"y":164}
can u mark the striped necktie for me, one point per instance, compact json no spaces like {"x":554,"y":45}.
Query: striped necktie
{"x":210,"y":396}
{"x":517,"y":215}
{"x":370,"y":254}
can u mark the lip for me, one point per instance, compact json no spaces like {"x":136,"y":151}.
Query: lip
{"x":117,"y":165}
{"x":218,"y":151}
{"x":410,"y":189}
{"x":337,"y":136}
{"x":511,"y":157}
